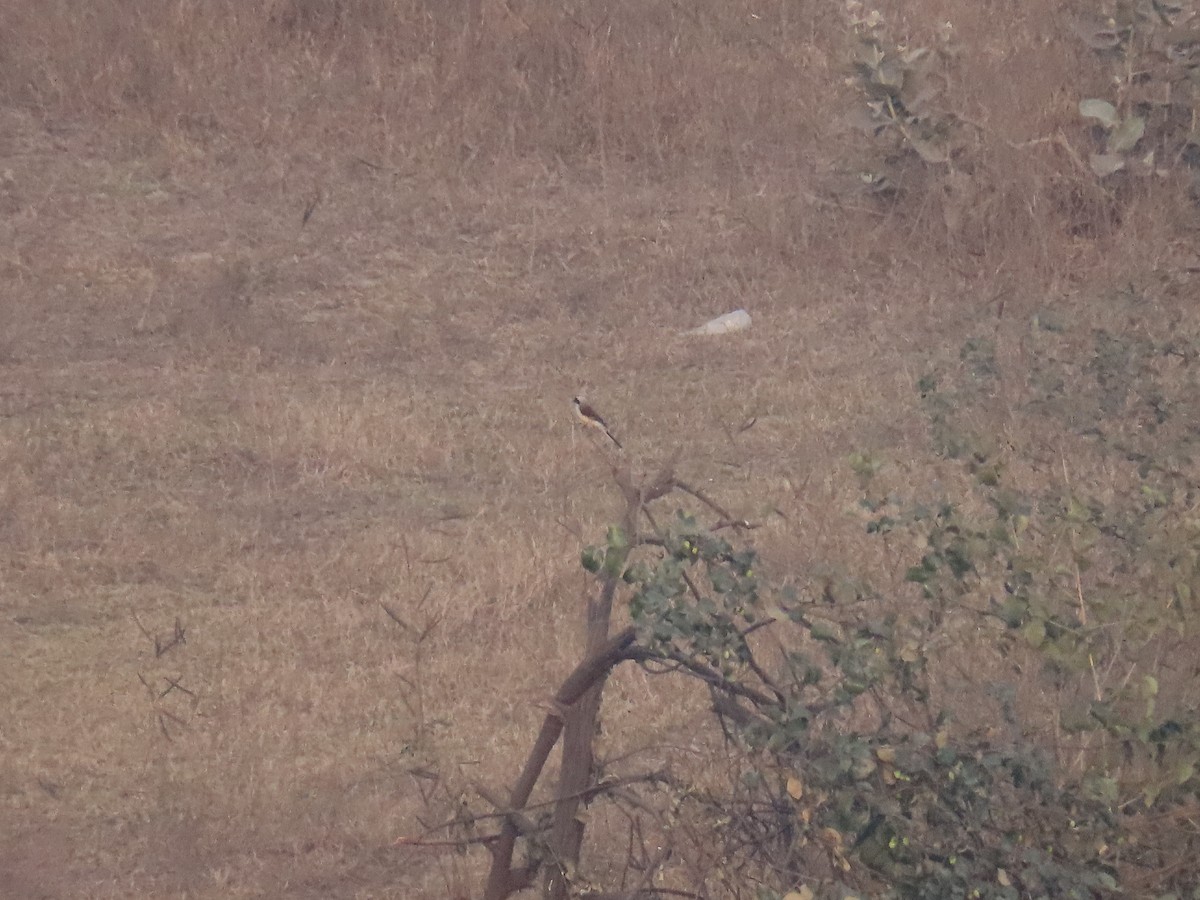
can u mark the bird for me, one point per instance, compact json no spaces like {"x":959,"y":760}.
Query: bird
{"x":589,"y":418}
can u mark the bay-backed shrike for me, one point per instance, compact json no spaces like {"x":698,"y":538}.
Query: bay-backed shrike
{"x":589,"y":418}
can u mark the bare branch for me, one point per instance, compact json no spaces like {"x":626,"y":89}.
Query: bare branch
{"x":706,"y":674}
{"x":502,"y":878}
{"x":712,"y":504}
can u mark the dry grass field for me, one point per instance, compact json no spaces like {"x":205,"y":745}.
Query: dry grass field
{"x":259,"y":426}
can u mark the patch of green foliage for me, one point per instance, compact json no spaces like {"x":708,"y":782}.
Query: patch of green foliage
{"x":1014,"y":725}
{"x":902,"y":90}
{"x":1148,"y":124}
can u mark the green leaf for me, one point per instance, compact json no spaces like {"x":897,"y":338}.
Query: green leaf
{"x":1185,"y":770}
{"x":890,"y":73}
{"x":591,"y":559}
{"x":618,"y":550}
{"x":1013,"y":611}
{"x":923,"y":572}
{"x":1104,"y":164}
{"x":929,"y":151}
{"x":824,"y":630}
{"x":1034,"y":632}
{"x":1101,"y":110}
{"x":1149,"y":686}
{"x":1150,"y":794}
{"x":869,"y":54}
{"x":1125,"y":138}
{"x":636,"y":574}
{"x":959,"y":560}
{"x":616,"y":538}
{"x":1154,"y":496}
{"x":864,"y":464}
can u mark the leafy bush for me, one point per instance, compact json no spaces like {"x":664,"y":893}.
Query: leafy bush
{"x":902,"y":90}
{"x":1150,"y":52}
{"x":854,"y":778}
{"x":1025,"y":724}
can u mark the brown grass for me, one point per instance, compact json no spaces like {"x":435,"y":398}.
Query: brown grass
{"x":210,"y":414}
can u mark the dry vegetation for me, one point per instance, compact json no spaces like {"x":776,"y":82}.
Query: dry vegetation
{"x":217,"y":412}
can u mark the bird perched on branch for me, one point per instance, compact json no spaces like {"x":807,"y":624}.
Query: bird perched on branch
{"x":589,"y":418}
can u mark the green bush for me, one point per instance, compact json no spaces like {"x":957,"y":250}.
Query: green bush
{"x":1148,"y":124}
{"x":1019,"y":725}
